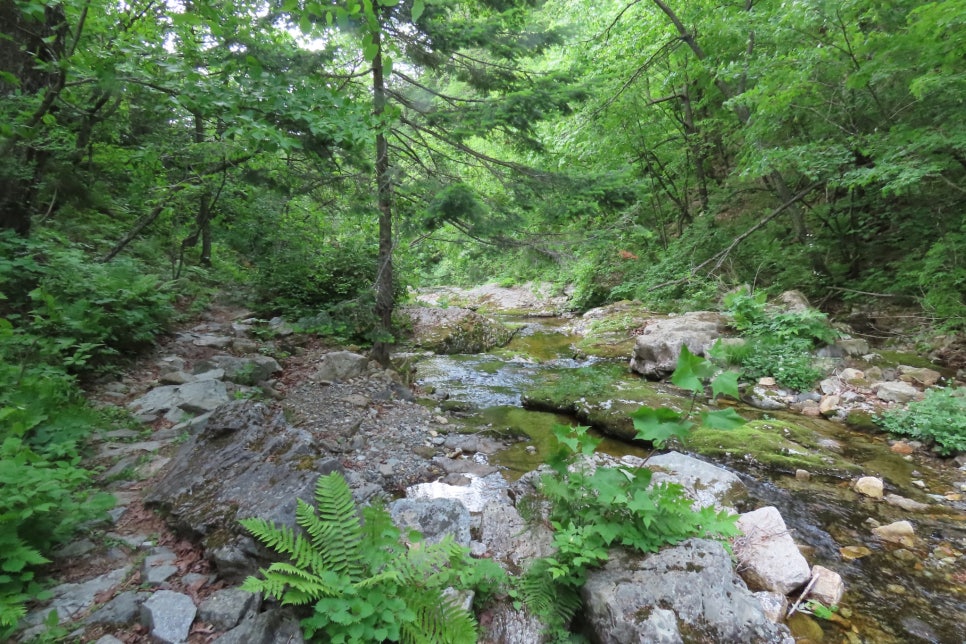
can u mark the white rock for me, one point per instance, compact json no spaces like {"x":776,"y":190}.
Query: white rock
{"x":828,"y":586}
{"x":869,"y":486}
{"x":900,"y":532}
{"x":768,"y":558}
{"x":774,"y":605}
{"x":896,"y":391}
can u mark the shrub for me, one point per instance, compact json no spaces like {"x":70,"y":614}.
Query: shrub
{"x":939,"y":418}
{"x":777,"y":344}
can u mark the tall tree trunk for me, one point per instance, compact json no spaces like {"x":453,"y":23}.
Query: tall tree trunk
{"x":384,"y":279}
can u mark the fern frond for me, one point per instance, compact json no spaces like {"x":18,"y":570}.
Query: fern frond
{"x":334,"y":543}
{"x":554,"y":602}
{"x":280,"y":538}
{"x":438,"y":620}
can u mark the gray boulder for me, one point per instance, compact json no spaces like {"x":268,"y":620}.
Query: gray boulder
{"x":767,"y":554}
{"x":900,"y":392}
{"x":686,"y":593}
{"x":455,"y":330}
{"x":225,"y":608}
{"x":658,"y":347}
{"x":246,"y":462}
{"x":249,"y":370}
{"x":275,"y":626}
{"x":168,"y":616}
{"x":339,"y":366}
{"x":707,"y":484}
{"x":433,"y":518}
{"x":192,"y":397}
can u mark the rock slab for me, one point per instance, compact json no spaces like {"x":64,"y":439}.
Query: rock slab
{"x":768,"y":558}
{"x":168,"y":616}
{"x":686,"y":593}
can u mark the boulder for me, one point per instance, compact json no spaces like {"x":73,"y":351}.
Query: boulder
{"x":339,"y":366}
{"x":246,"y":462}
{"x":506,"y":625}
{"x":168,"y":616}
{"x":918,"y":375}
{"x":767,"y":555}
{"x":900,"y":392}
{"x":707,"y":484}
{"x":276,"y":626}
{"x":433,"y":518}
{"x":510,"y":539}
{"x":192,"y":397}
{"x":249,"y":370}
{"x":685,"y":593}
{"x":226,"y":607}
{"x":455,"y":330}
{"x":658,"y":347}
{"x":793,"y":302}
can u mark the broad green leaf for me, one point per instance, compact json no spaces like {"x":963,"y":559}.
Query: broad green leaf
{"x":722,"y":419}
{"x":725,"y":383}
{"x":691,"y":371}
{"x":417,"y":10}
{"x":658,"y":425}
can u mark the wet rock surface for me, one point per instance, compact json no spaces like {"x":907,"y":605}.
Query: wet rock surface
{"x":455,"y":330}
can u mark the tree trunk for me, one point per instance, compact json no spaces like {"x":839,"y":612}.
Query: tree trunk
{"x":384,"y":279}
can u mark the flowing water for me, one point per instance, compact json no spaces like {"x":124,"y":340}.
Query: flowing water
{"x":893,"y":594}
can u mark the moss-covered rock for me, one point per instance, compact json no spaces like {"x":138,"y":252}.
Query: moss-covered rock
{"x":602,"y":396}
{"x":772,"y":445}
{"x":610,"y":331}
{"x":455,"y":330}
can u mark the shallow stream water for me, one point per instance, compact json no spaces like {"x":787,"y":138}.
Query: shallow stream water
{"x":893,"y":594}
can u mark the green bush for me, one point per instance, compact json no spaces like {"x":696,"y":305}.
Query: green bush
{"x":777,"y":343}
{"x":46,"y":495}
{"x":939,"y":418}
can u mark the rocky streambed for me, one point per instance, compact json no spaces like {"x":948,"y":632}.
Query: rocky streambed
{"x":227,"y":431}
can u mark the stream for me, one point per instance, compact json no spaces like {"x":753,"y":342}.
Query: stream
{"x":893,"y":594}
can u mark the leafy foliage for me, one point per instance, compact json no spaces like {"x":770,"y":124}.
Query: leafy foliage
{"x":593,"y":509}
{"x":363,"y":583}
{"x":939,"y":418}
{"x":658,"y":425}
{"x":777,"y":344}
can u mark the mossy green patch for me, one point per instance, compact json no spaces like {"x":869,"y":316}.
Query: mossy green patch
{"x":778,"y":446}
{"x":602,"y":396}
{"x":896,"y":358}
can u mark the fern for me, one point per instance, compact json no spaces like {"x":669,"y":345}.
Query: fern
{"x":363,"y":583}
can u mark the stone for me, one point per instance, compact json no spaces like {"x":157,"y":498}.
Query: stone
{"x":108,"y":639}
{"x":686,"y":590}
{"x":175,"y":378}
{"x":455,"y":330}
{"x":803,"y":475}
{"x":506,"y":625}
{"x":810,"y":408}
{"x":793,"y":302}
{"x":192,"y":397}
{"x":869,"y":486}
{"x":508,"y":538}
{"x":767,"y":381}
{"x":707,"y":484}
{"x":852,"y":376}
{"x":768,"y":558}
{"x":900,"y":392}
{"x":225,"y":608}
{"x":765,"y":398}
{"x":280,"y":327}
{"x":71,"y":599}
{"x":775,"y":605}
{"x":168,"y":616}
{"x":123,"y":610}
{"x":827,"y":586}
{"x":901,"y":447}
{"x":246,"y":462}
{"x":475,"y":496}
{"x":275,"y":626}
{"x":249,"y":370}
{"x":433,"y":518}
{"x":918,"y":375}
{"x":830,"y":386}
{"x":212,"y":340}
{"x":908,"y":505}
{"x":853,"y":346}
{"x":829,"y":405}
{"x":657,"y":349}
{"x":900,"y":532}
{"x":339,"y":366}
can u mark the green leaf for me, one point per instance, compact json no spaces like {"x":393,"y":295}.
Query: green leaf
{"x":658,"y":425}
{"x":727,"y":384}
{"x":691,"y":371}
{"x":417,"y":10}
{"x":722,"y":419}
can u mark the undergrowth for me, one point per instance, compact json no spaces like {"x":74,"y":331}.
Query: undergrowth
{"x":940,"y":418}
